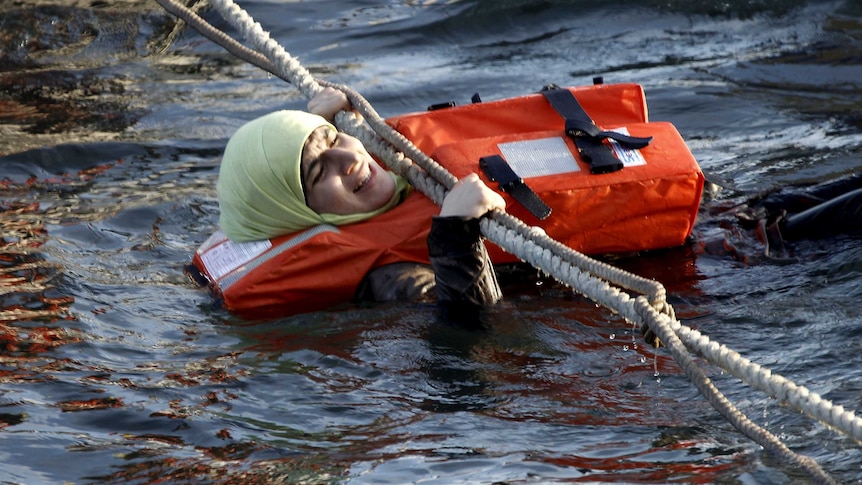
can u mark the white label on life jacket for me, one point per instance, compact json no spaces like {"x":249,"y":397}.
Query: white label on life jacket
{"x":225,"y":257}
{"x":630,"y":157}
{"x":543,"y":156}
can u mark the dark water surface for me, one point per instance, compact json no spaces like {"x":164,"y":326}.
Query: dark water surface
{"x":115,"y":369}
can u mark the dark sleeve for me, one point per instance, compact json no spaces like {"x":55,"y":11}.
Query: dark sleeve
{"x":799,"y":198}
{"x":841,"y":215}
{"x":462,"y":268}
{"x":397,"y":282}
{"x":815,"y":211}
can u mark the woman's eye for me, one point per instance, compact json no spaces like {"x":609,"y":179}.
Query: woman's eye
{"x":320,"y":172}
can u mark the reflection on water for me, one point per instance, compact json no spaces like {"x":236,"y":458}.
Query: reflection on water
{"x":113,"y":369}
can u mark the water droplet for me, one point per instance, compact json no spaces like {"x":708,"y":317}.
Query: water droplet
{"x":625,"y":348}
{"x":613,"y":336}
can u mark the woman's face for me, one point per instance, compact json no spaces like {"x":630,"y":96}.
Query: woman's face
{"x":340,"y":177}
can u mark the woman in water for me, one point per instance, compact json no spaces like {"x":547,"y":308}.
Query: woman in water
{"x":291,"y":170}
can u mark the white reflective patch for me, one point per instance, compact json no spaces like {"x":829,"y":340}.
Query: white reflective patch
{"x":551,"y":156}
{"x":630,"y":157}
{"x":223,"y":258}
{"x":535,"y":158}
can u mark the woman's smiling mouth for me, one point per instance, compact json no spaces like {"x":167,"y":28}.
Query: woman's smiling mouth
{"x":363,"y":182}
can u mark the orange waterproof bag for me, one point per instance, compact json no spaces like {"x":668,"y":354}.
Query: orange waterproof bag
{"x":650,"y":203}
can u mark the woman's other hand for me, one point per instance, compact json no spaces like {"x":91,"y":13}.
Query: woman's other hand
{"x":471,"y":198}
{"x":328,"y":102}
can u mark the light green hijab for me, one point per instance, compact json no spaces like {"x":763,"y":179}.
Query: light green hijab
{"x":259,"y":186}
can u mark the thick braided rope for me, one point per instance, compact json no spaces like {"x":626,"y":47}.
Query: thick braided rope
{"x":751,"y":373}
{"x":266,"y":45}
{"x":595,"y":288}
{"x":640,"y":310}
{"x":659,"y":324}
{"x":774,"y":385}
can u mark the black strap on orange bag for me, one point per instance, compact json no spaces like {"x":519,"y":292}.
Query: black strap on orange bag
{"x":498,"y":170}
{"x":587,"y":136}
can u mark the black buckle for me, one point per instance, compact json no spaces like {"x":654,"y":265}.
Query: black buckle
{"x":579,"y":128}
{"x":586,"y":135}
{"x":498,"y":170}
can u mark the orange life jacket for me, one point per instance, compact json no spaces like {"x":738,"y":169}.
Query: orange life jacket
{"x":651,"y":203}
